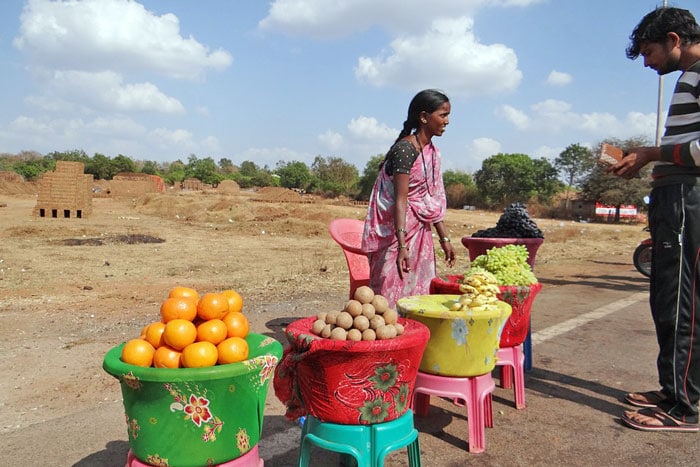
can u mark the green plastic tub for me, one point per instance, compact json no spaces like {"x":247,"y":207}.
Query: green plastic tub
{"x":196,"y":416}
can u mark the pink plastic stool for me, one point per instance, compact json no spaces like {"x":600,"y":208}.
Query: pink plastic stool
{"x":475,"y":391}
{"x":511,"y":360}
{"x":249,"y":459}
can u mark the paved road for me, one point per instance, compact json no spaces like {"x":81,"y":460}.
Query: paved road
{"x":593,"y":341}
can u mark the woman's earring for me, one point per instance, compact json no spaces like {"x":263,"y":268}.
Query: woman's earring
{"x":424,"y":121}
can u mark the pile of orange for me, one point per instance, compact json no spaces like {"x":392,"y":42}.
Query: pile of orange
{"x":193,"y":331}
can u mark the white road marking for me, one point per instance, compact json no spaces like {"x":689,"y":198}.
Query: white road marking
{"x":566,"y":326}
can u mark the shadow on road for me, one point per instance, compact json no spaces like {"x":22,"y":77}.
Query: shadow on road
{"x":553,"y":384}
{"x":611,"y":282}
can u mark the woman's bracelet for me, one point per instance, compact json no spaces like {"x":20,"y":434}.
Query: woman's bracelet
{"x":401,"y":230}
{"x":402,"y":247}
{"x":444,"y":240}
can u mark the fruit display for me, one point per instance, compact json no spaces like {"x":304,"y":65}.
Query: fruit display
{"x":479,"y":292}
{"x":193,"y":331}
{"x":365,"y":317}
{"x":515,"y":222}
{"x":508,"y":264}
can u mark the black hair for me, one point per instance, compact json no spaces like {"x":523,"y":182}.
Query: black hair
{"x":428,"y":100}
{"x":656,"y":25}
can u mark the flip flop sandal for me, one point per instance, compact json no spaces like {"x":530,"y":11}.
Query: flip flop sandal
{"x":645,"y":399}
{"x":659,"y":421}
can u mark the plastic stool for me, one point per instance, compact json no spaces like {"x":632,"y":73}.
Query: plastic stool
{"x":475,"y":391}
{"x":368,"y":444}
{"x":511,"y":360}
{"x":249,"y":459}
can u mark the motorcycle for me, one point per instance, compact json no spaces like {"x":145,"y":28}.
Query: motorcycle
{"x":642,"y":256}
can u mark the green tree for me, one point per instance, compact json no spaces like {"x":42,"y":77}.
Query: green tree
{"x":293,"y":174}
{"x":150,"y":168}
{"x":334,"y":175}
{"x":460,"y":189}
{"x":101,"y":167}
{"x":205,"y":170}
{"x":76,"y":155}
{"x":175,"y":172}
{"x":509,"y":178}
{"x":574,"y":164}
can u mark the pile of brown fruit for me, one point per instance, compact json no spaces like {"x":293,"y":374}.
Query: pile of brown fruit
{"x":365,"y":317}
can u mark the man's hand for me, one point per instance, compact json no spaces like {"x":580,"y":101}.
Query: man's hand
{"x":634,"y":161}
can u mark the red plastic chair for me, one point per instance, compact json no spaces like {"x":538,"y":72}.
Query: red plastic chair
{"x":348,"y":234}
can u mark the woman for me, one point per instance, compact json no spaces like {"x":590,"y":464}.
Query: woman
{"x":407,"y":199}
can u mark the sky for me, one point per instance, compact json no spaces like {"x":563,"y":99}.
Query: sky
{"x":290,"y":80}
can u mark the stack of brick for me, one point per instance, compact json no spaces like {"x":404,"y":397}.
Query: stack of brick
{"x":192,"y":184}
{"x":129,"y":185}
{"x":65,"y":193}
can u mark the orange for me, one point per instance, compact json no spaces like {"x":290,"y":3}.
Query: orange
{"x":154,"y":334}
{"x":179,"y":333}
{"x":180,"y":291}
{"x":178,"y":308}
{"x":199,"y":354}
{"x":236,"y":324}
{"x":212,"y":330}
{"x":138,"y":352}
{"x":167,"y":357}
{"x":212,"y":306}
{"x":231,"y":350}
{"x":235,"y":301}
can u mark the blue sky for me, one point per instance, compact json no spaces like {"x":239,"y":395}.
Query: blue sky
{"x":288,"y":80}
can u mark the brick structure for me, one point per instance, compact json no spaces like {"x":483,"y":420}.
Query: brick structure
{"x":135,"y":184}
{"x":65,"y":193}
{"x":192,"y":184}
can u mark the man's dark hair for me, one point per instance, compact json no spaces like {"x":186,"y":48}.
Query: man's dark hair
{"x":656,"y":25}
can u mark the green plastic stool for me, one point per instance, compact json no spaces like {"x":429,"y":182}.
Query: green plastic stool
{"x":368,"y":444}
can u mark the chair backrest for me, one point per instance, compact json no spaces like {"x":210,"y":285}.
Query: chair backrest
{"x":348,"y":234}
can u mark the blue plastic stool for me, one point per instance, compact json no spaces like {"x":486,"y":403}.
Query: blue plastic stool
{"x":368,"y":444}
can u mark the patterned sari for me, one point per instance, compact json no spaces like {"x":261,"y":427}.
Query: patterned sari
{"x":426,"y":206}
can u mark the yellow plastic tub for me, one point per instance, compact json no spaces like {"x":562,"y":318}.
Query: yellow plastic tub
{"x":462,"y":343}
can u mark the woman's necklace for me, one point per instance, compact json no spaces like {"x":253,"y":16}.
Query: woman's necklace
{"x":425,"y":168}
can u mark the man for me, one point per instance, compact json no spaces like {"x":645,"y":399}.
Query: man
{"x":669,"y":40}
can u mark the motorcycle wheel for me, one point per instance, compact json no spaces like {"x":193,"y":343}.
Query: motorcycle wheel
{"x":642,"y":259}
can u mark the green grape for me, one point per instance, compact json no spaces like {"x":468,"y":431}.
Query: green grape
{"x":508,"y":264}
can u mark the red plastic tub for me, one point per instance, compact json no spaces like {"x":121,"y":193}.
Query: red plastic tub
{"x":352,"y":383}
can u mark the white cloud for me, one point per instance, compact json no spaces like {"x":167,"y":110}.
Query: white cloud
{"x":517,"y":117}
{"x":368,"y":129}
{"x":559,"y":78}
{"x":556,"y":116}
{"x":85,"y":35}
{"x":482,"y":148}
{"x":331,"y":140}
{"x":449,"y":57}
{"x":105,"y":91}
{"x":322,"y":18}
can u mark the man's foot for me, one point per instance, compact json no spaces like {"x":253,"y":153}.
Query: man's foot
{"x":645,"y":399}
{"x":655,"y":419}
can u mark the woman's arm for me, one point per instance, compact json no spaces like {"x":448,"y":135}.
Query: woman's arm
{"x":401,"y":201}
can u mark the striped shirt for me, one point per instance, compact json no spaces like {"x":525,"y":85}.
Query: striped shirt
{"x":680,"y":145}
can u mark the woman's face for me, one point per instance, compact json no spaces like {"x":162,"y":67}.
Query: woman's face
{"x":437,"y":121}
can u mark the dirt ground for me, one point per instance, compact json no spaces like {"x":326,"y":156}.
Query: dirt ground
{"x":70,"y":289}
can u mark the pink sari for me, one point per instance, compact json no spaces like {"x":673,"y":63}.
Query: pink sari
{"x":426,"y":206}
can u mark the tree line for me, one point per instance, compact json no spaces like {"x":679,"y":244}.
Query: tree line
{"x":502,"y":179}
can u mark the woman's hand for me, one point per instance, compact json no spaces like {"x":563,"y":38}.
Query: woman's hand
{"x":449,"y":254}
{"x":403,"y":263}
